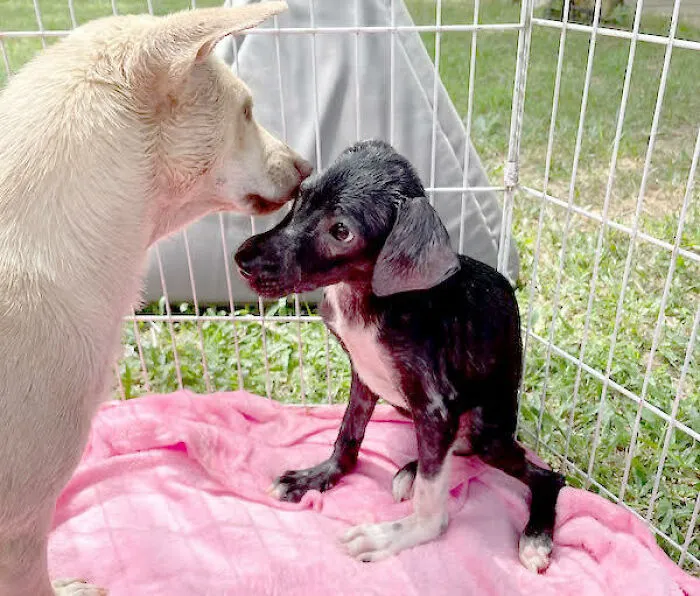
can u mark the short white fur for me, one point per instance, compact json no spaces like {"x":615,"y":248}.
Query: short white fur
{"x":369,"y":359}
{"x":112,"y":138}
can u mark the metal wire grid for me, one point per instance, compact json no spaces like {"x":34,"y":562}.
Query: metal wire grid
{"x":510,"y":189}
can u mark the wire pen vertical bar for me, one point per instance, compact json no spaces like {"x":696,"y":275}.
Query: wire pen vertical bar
{"x":392,"y":74}
{"x":319,"y":164}
{"x":468,"y":128}
{"x":317,"y":129}
{"x":635,"y":230}
{"x":231,"y":305}
{"x":39,"y":21}
{"x":436,"y":88}
{"x":5,"y":58}
{"x":283,"y":117}
{"x":661,"y":318}
{"x":510,"y":174}
{"x":200,"y":332}
{"x":263,"y":331}
{"x":302,"y":383}
{"x":604,"y":217}
{"x":278,"y":54}
{"x":149,"y":4}
{"x":71,"y":10}
{"x":329,"y":385}
{"x":543,"y":203}
{"x":674,"y":413}
{"x":569,"y":216}
{"x":357,"y":71}
{"x":120,"y":385}
{"x":227,"y":267}
{"x":142,"y":360}
{"x":168,"y":312}
{"x":261,"y":304}
{"x":691,"y":530}
{"x":115,"y":12}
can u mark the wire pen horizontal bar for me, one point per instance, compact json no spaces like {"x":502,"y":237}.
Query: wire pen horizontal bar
{"x":688,"y":254}
{"x":21,"y":34}
{"x":316,"y":319}
{"x":613,"y":497}
{"x":445,"y":189}
{"x":227,"y":318}
{"x":322,"y":30}
{"x":606,"y":31}
{"x":656,"y":39}
{"x":619,"y":388}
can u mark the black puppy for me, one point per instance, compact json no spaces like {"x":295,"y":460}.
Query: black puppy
{"x":434,"y":333}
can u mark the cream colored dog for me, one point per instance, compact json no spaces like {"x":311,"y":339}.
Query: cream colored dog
{"x":118,"y":135}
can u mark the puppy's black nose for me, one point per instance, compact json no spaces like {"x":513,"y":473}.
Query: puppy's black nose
{"x":244,"y":258}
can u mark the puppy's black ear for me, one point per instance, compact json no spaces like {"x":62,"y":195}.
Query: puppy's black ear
{"x":417,"y":254}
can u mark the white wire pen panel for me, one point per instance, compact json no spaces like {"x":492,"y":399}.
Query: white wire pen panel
{"x":586,"y":132}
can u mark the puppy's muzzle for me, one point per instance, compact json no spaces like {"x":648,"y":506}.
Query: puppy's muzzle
{"x":264,"y":268}
{"x":253,"y":262}
{"x":247,"y":259}
{"x":244,"y":272}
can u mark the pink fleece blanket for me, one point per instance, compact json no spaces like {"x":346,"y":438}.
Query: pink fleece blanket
{"x":170,"y":500}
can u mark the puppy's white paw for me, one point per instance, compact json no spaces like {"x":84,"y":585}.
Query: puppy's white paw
{"x":402,"y":484}
{"x":76,"y":587}
{"x":275,"y":490}
{"x":534,"y":552}
{"x":373,"y":542}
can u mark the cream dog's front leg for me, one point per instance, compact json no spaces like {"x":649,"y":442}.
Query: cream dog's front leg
{"x":46,"y":406}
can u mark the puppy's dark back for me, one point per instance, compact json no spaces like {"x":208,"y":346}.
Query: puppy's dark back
{"x":467,"y":327}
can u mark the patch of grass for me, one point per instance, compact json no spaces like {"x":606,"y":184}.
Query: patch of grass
{"x":495,"y":70}
{"x":553,"y":393}
{"x":235,"y":350}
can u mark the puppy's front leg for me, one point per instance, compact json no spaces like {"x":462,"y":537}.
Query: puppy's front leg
{"x":436,"y":431}
{"x":292,"y":485}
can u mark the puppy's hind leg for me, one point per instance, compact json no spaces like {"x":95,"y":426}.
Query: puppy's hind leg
{"x":403,"y":481}
{"x":501,"y":451}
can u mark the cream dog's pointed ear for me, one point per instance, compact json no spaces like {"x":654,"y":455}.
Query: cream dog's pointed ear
{"x":181,"y":40}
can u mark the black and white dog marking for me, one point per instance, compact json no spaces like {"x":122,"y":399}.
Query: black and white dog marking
{"x":434,"y":333}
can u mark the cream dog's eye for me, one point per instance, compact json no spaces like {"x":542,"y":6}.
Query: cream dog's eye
{"x":248,"y":112}
{"x":341,"y":232}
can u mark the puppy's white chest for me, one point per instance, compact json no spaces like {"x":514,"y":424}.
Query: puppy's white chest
{"x":369,"y":358}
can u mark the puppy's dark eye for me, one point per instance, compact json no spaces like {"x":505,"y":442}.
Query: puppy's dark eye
{"x":248,"y":112}
{"x":340,"y":232}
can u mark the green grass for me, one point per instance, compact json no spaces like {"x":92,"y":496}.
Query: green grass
{"x":495,"y":68}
